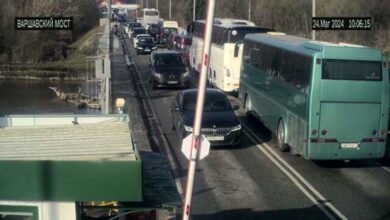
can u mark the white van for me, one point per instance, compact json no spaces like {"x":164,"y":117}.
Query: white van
{"x":165,"y":29}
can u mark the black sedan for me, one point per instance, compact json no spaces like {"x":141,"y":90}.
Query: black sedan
{"x":146,"y":45}
{"x":219,"y":123}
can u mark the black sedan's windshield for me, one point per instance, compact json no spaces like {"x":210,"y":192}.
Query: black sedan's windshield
{"x":145,"y":41}
{"x":212,"y":103}
{"x":169,"y":60}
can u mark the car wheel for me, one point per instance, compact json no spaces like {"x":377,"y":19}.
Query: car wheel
{"x":154,"y":86}
{"x":281,"y":137}
{"x":173,"y":126}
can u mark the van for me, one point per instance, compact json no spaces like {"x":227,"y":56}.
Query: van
{"x":165,"y":29}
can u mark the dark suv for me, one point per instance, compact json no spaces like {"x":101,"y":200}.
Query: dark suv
{"x":168,"y":69}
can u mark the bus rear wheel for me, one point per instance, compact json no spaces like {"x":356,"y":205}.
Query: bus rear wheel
{"x":282,"y":145}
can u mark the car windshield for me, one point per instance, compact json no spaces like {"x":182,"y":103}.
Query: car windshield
{"x":169,"y":60}
{"x":146,"y":40}
{"x":139,"y":31}
{"x":168,"y":31}
{"x":214,"y":102}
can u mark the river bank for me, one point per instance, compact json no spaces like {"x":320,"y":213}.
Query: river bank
{"x":35,"y":97}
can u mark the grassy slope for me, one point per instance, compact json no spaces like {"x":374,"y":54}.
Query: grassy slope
{"x":77,"y":62}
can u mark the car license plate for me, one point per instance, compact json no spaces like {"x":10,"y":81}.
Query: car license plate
{"x":215,"y":138}
{"x":147,"y":50}
{"x":349,"y":145}
{"x":172,"y":82}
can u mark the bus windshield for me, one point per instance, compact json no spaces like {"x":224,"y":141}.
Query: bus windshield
{"x":151,"y":13}
{"x":352,"y":70}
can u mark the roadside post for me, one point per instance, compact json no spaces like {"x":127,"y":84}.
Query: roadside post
{"x":197,"y":140}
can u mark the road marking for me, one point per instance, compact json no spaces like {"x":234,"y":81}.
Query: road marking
{"x":386,"y":169}
{"x":267,"y":150}
{"x":170,"y":153}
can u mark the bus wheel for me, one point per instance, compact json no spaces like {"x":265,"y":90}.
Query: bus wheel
{"x":281,"y":137}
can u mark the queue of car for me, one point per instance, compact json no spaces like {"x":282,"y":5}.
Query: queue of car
{"x":169,"y":69}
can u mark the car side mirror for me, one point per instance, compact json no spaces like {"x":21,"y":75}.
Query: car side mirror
{"x":236,"y":107}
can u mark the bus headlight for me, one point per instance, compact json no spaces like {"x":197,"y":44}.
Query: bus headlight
{"x":237,"y":128}
{"x":188,"y":128}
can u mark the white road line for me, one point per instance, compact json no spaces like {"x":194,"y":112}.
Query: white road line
{"x":300,"y":177}
{"x":386,"y":169}
{"x":170,"y":153}
{"x":292,"y":178}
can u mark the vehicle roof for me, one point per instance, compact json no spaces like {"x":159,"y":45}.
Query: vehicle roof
{"x":167,"y":52}
{"x":309,"y":47}
{"x":139,"y":28}
{"x":235,"y":26}
{"x":233,"y":21}
{"x":208,"y":91}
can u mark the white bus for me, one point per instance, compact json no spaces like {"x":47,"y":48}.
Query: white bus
{"x":225,"y":54}
{"x":149,"y":16}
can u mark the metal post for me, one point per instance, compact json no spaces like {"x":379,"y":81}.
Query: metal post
{"x":249,"y":9}
{"x":198,"y":111}
{"x":157,"y":4}
{"x":170,"y":9}
{"x":194,"y":11}
{"x":313,"y":32}
{"x":109,"y":14}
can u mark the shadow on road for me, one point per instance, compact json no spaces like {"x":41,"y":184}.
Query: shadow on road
{"x":248,"y":214}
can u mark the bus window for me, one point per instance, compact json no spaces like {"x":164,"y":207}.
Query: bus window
{"x":352,"y":70}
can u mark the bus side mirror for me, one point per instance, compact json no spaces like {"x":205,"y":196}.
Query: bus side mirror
{"x":236,"y":50}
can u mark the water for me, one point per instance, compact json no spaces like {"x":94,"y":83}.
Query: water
{"x":35,"y":97}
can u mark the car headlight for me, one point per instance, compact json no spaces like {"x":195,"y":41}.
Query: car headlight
{"x":139,"y":48}
{"x":186,"y":74}
{"x":154,"y":48}
{"x":237,"y":128}
{"x":158,"y":75}
{"x":188,"y":128}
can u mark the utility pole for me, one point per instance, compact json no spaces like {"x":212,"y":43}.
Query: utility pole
{"x":196,"y":137}
{"x":313,"y":32}
{"x":249,"y":9}
{"x":157,"y":4}
{"x":194,"y":11}
{"x":170,"y":9}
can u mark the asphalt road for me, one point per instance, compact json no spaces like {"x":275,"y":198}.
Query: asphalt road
{"x":256,"y":181}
